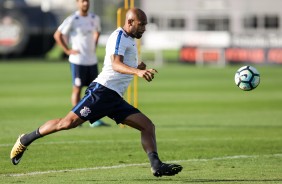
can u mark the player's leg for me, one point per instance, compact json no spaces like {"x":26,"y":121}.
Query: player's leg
{"x":68,"y":122}
{"x":148,"y":140}
{"x":142,"y":123}
{"x":76,"y":73}
{"x":75,"y":96}
{"x":51,"y":126}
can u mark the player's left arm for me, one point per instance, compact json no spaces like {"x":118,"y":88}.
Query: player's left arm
{"x":96,"y":36}
{"x":97,"y":31}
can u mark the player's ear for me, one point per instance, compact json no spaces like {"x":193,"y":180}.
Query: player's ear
{"x":130,"y":21}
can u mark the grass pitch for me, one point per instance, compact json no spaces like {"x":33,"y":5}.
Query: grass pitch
{"x":204,"y":122}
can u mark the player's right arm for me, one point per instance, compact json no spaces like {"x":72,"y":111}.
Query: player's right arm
{"x":119,"y":66}
{"x":61,"y":41}
{"x":61,"y":35}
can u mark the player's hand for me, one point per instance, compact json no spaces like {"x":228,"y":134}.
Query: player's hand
{"x":147,"y":74}
{"x":73,"y":52}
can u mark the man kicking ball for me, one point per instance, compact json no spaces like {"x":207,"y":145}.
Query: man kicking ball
{"x":104,"y":96}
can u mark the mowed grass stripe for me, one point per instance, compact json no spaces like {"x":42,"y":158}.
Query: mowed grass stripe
{"x":141,"y":164}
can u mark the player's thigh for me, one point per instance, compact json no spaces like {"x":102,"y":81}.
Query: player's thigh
{"x":139,"y":121}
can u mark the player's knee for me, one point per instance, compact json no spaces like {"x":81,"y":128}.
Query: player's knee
{"x":65,"y":124}
{"x":150,"y":126}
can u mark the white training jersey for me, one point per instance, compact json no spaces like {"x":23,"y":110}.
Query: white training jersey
{"x":79,"y":31}
{"x":119,"y":43}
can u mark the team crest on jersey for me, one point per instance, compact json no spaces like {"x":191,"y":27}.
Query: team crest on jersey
{"x":85,"y":111}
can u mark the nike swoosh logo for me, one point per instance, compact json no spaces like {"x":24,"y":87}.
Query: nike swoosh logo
{"x":16,"y":161}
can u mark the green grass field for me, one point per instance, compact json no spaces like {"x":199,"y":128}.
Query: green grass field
{"x":219,"y":133}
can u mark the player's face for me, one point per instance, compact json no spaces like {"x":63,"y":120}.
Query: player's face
{"x":83,"y":5}
{"x":139,"y":27}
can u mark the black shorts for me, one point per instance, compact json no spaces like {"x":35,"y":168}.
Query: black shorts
{"x":100,"y":101}
{"x":83,"y":75}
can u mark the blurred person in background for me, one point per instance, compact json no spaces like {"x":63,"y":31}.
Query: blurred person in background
{"x":82,"y":29}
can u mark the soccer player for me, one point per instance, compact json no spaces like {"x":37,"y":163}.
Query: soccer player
{"x":104,"y":96}
{"x":82,"y":29}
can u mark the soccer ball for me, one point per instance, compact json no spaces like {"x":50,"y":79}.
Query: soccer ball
{"x":247,"y":78}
